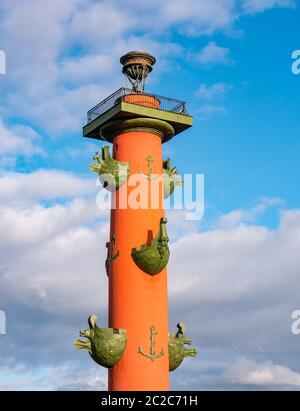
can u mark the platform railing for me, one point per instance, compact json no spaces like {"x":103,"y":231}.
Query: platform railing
{"x":164,"y":103}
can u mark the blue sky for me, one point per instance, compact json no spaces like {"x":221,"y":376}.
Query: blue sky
{"x":231,"y":62}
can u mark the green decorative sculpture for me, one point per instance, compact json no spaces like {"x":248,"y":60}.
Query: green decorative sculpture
{"x":112,"y":173}
{"x":169,"y":179}
{"x":106,"y":346}
{"x":153,"y":258}
{"x":177,"y":351}
{"x":111,"y":254}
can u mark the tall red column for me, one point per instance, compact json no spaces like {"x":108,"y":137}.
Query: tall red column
{"x":136,"y":347}
{"x":137,"y":300}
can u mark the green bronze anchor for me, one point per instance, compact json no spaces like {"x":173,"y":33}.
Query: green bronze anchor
{"x":152,"y":355}
{"x":149,"y":175}
{"x":149,"y":160}
{"x":111,"y":254}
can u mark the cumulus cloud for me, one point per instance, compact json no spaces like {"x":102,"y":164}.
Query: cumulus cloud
{"x":213,"y":92}
{"x":237,"y":286}
{"x":249,"y":215}
{"x":256,"y":6}
{"x":266,"y":373}
{"x":52,"y":277}
{"x":212,"y":96}
{"x":19,"y":140}
{"x":233,"y":285}
{"x":40,"y":185}
{"x":213,"y":54}
{"x":57,"y":69}
{"x":209,"y":110}
{"x":200,"y":17}
{"x":47,"y":83}
{"x":67,"y":376}
{"x":86,"y":69}
{"x":244,"y":250}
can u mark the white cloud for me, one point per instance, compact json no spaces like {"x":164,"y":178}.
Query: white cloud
{"x":247,"y":258}
{"x":235,"y":287}
{"x":52,"y":271}
{"x":43,"y":247}
{"x":31,"y":225}
{"x":236,"y":217}
{"x":249,"y":372}
{"x":256,"y":6}
{"x":232,"y":284}
{"x":106,"y":22}
{"x":212,"y":97}
{"x":18,"y":140}
{"x":62,"y":55}
{"x":41,"y":185}
{"x":64,"y":376}
{"x":213,"y":92}
{"x":86,"y":69}
{"x":208,"y":110}
{"x":196,"y":17}
{"x":37,"y":85}
{"x":46,"y":83}
{"x":213,"y":54}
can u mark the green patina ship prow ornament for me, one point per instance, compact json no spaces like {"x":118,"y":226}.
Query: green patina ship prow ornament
{"x":169,"y":178}
{"x":153,"y":258}
{"x":177,"y":351}
{"x":112,"y":173}
{"x":106,"y":346}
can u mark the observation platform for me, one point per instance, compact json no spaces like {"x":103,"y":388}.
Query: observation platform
{"x":126,"y":104}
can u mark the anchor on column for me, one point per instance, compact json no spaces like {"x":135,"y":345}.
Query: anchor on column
{"x":152,"y":355}
{"x":111,"y":254}
{"x":149,"y":175}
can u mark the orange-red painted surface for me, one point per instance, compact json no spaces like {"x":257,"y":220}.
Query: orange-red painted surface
{"x":137,"y":300}
{"x":142,"y":100}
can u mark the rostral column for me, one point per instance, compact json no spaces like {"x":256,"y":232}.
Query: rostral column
{"x":137,"y":348}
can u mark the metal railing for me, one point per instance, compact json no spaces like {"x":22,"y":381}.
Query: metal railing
{"x":162,"y":103}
